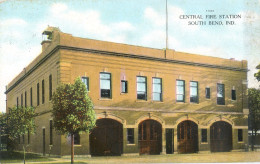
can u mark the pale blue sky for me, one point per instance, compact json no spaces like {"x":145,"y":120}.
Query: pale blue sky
{"x":137,"y":22}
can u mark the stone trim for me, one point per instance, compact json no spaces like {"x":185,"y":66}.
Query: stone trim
{"x":58,"y":47}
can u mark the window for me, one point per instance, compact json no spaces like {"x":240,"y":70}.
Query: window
{"x":50,"y":87}
{"x":19,"y":139}
{"x":21,"y":99}
{"x":194,"y":92}
{"x":25,"y":99}
{"x":28,"y":137}
{"x":77,"y":139}
{"x":123,"y":86}
{"x":130,"y":135}
{"x":141,"y":88}
{"x":207,"y":90}
{"x":220,"y":94}
{"x":17,"y":102}
{"x":180,"y":90}
{"x":233,"y":94}
{"x":43,"y":98}
{"x":240,"y":135}
{"x":23,"y":138}
{"x":31,"y":97}
{"x":105,"y":85}
{"x":203,"y":135}
{"x":157,"y":89}
{"x":85,"y":80}
{"x":38,"y":94}
{"x":51,"y":127}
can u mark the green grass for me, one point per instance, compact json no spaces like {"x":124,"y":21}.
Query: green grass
{"x":6,"y":157}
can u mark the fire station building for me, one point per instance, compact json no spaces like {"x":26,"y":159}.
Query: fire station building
{"x":147,"y":101}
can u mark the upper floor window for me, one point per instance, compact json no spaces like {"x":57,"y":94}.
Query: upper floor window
{"x":207,"y":90}
{"x":180,"y":90}
{"x":17,"y":102}
{"x":233,"y":94}
{"x":50,"y":87}
{"x":123,"y":86}
{"x":21,"y":99}
{"x":194,"y":92}
{"x":85,"y":80}
{"x":25,"y":99}
{"x":38,"y":94}
{"x":141,"y":88}
{"x":157,"y":89}
{"x":105,"y":85}
{"x":31,"y":97}
{"x":220,"y":94}
{"x":43,"y":97}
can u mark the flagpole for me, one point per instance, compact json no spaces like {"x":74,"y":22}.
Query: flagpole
{"x":166,"y":26}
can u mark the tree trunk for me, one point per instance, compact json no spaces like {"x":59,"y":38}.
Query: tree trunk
{"x":252,"y":140}
{"x":72,"y":148}
{"x":23,"y":154}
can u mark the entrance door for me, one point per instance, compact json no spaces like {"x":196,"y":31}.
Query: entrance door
{"x":220,"y":137}
{"x":150,"y":137}
{"x":107,"y":138}
{"x":187,"y":137}
{"x":43,"y":141}
{"x":169,"y":141}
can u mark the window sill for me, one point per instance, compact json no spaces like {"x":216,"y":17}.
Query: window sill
{"x":192,"y":103}
{"x":77,"y":145}
{"x":105,"y":99}
{"x":204,"y":143}
{"x":141,"y":101}
{"x":130,"y":144}
{"x":220,"y":105}
{"x":157,"y":101}
{"x":240,"y":142}
{"x":180,"y":102}
{"x":123,"y":93}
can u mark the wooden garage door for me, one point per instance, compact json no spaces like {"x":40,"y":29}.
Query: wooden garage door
{"x":220,"y":137}
{"x":150,"y":137}
{"x":187,"y":137}
{"x":106,"y":139}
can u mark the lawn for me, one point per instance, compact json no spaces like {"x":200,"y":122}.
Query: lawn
{"x":6,"y":157}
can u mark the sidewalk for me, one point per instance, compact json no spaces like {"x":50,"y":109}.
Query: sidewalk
{"x":228,"y":157}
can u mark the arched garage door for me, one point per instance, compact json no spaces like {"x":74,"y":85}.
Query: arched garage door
{"x":106,"y":139}
{"x":150,"y":137}
{"x":187,"y":134}
{"x":220,"y":137}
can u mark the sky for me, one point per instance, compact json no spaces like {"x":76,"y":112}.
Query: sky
{"x":135,"y":22}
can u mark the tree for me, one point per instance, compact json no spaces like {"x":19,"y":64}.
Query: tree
{"x":3,"y":127}
{"x":20,"y":121}
{"x":257,"y":75}
{"x":254,"y":112}
{"x":72,"y":110}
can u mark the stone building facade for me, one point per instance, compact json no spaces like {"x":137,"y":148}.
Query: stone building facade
{"x":147,"y":101}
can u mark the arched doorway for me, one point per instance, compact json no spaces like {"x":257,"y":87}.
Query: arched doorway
{"x":150,"y":137}
{"x":220,"y":137}
{"x":187,"y":135}
{"x":106,"y":139}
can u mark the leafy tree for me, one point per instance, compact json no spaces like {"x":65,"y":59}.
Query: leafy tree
{"x":72,"y":110}
{"x":257,"y":75}
{"x":20,"y":121}
{"x":3,"y":129}
{"x":254,"y":112}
